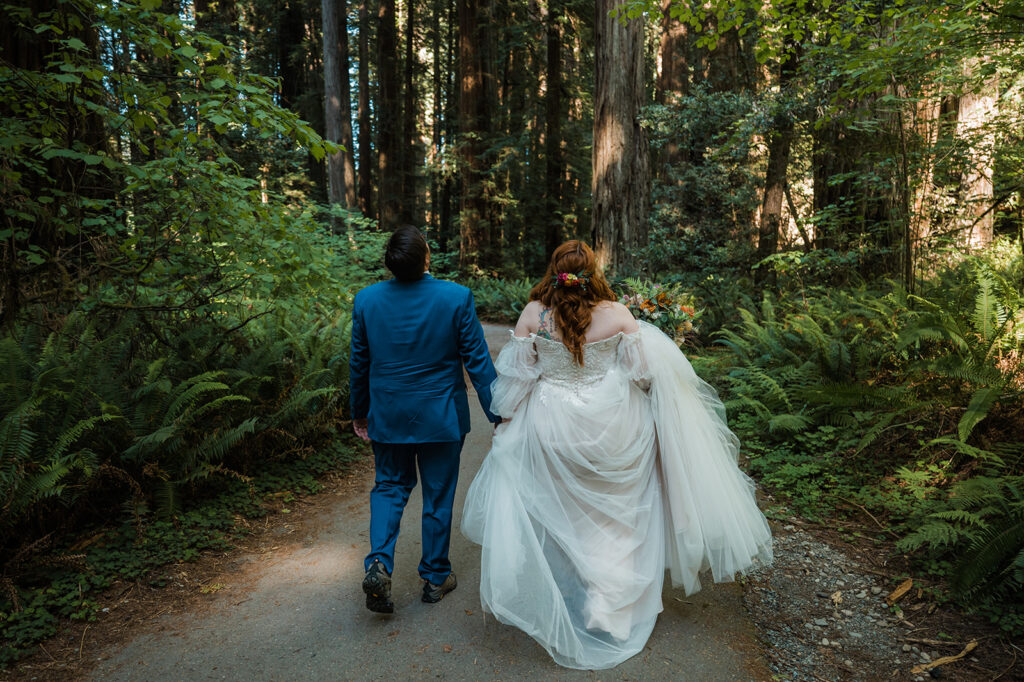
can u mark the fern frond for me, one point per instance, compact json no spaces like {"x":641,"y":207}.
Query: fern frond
{"x":989,"y":562}
{"x":789,"y":423}
{"x":981,"y":402}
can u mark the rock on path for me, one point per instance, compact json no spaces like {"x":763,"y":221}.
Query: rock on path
{"x":301,"y":616}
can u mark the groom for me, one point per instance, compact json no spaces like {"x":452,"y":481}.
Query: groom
{"x":411,"y":336}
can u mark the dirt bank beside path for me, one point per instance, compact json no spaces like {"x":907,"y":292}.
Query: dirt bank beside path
{"x":296,"y":612}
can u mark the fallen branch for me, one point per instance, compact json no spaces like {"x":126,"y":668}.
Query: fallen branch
{"x":877,"y":522}
{"x":925,"y":667}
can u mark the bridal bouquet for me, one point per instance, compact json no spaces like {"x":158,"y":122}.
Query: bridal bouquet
{"x":667,"y":307}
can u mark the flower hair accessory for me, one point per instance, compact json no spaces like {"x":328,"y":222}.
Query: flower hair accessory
{"x":571,"y":279}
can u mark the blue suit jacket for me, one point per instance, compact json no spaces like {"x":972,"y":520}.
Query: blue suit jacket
{"x":409,"y":343}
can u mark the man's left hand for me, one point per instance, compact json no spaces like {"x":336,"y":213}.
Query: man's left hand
{"x":361,"y":429}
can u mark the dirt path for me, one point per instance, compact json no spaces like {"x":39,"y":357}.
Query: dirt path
{"x":300,"y":615}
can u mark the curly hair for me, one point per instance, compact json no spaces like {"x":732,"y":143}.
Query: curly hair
{"x":573,"y":305}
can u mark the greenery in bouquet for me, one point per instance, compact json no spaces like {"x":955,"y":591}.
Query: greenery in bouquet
{"x":668,"y":307}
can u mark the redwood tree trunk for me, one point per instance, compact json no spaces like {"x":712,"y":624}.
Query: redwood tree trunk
{"x":779,"y":144}
{"x":672,"y":81}
{"x":974,"y":109}
{"x":410,"y":143}
{"x":473,"y":232}
{"x":621,"y":166}
{"x":554,"y":166}
{"x":332,"y":102}
{"x":388,"y":117}
{"x":348,"y":155}
{"x":366,"y":203}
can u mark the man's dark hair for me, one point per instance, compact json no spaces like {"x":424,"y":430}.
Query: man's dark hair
{"x":406,"y":253}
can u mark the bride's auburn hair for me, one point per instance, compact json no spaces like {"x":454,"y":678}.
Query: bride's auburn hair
{"x":573,"y":305}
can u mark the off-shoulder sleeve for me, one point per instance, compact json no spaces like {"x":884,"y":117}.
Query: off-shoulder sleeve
{"x":631,"y":359}
{"x":517,"y":373}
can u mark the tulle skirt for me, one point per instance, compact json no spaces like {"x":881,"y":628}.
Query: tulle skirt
{"x":588,"y":496}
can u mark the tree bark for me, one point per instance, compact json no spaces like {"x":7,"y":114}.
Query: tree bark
{"x":437,"y":116}
{"x":554,"y":166}
{"x":473,"y":229}
{"x":779,"y":144}
{"x":290,"y":35}
{"x":673,"y":77}
{"x":672,"y":81}
{"x":974,"y":110}
{"x":410,"y":144}
{"x":388,"y":117}
{"x":620,"y":155}
{"x":366,"y":203}
{"x":332,"y":104}
{"x":348,"y":154}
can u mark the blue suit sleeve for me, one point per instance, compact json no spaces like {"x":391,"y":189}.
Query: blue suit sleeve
{"x":475,"y":355}
{"x":359,"y":366}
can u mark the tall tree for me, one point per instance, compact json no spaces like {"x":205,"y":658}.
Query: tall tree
{"x":780,"y":140}
{"x":554,"y":166}
{"x":975,"y":108}
{"x":337,"y":114}
{"x":388,"y":116}
{"x":348,"y":154}
{"x":620,"y":154}
{"x":672,"y":79}
{"x":474,"y":233}
{"x":410,"y":144}
{"x":366,"y":203}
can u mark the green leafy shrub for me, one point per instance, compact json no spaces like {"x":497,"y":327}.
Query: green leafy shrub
{"x":172,"y":325}
{"x":500,"y":300}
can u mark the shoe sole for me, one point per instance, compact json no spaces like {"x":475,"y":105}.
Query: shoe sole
{"x":378,"y":598}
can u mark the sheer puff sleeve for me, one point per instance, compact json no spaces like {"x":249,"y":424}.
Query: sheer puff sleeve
{"x":632,"y":361}
{"x":517,"y":374}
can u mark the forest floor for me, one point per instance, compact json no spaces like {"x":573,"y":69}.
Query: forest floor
{"x":287,"y":604}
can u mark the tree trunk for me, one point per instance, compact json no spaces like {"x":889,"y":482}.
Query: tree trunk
{"x":290,"y":36}
{"x":410,"y":144}
{"x":621,"y":167}
{"x":437,"y":117}
{"x":672,"y":80}
{"x":332,"y":104}
{"x":554,"y":166}
{"x":473,"y":230}
{"x":779,"y":143}
{"x":974,"y":111}
{"x":448,"y":231}
{"x":348,"y":154}
{"x":366,"y":204}
{"x":388,"y":117}
{"x":673,"y":77}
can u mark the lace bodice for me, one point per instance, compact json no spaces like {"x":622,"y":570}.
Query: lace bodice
{"x":558,"y":366}
{"x":529,"y":362}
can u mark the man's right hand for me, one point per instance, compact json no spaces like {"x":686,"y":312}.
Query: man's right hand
{"x":361,"y":429}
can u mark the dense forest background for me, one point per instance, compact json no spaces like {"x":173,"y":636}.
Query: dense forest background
{"x":821,"y":201}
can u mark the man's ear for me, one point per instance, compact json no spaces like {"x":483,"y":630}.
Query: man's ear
{"x":426,"y":266}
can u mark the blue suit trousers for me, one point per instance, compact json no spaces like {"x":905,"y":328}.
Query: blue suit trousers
{"x":396,"y":465}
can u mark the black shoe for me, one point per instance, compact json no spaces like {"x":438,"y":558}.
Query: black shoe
{"x":434,"y":593}
{"x":377,"y":586}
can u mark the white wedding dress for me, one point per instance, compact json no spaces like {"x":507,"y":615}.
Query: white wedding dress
{"x":606,"y":475}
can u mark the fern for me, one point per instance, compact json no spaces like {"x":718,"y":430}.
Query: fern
{"x":981,"y":402}
{"x":991,"y":563}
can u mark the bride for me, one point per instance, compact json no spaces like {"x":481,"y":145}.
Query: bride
{"x":613,"y":464}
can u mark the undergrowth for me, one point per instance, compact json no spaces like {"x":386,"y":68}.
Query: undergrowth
{"x":65,"y":582}
{"x":904,"y":406}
